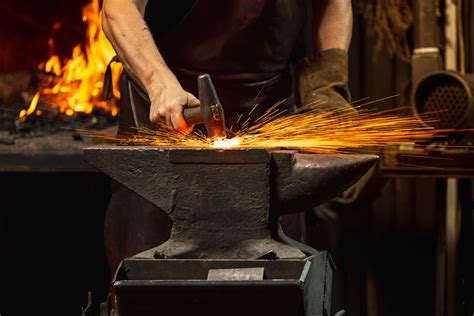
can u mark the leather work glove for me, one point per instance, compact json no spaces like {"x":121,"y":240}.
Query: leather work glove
{"x":322,"y":80}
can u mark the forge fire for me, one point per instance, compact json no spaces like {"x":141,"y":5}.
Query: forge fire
{"x":75,"y":84}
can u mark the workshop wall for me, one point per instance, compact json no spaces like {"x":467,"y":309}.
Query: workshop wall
{"x":26,"y":27}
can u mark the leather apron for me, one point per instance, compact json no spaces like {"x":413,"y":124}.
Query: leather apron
{"x":246,"y":47}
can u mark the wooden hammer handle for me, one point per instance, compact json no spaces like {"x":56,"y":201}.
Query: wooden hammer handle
{"x":193,"y":115}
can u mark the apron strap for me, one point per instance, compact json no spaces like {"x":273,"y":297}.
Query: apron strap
{"x":107,"y":91}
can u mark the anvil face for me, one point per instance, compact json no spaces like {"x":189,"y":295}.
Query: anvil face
{"x":222,"y":201}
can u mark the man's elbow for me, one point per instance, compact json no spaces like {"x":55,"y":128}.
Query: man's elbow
{"x":111,"y":13}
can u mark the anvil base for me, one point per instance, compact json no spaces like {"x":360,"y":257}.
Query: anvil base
{"x":181,"y":287}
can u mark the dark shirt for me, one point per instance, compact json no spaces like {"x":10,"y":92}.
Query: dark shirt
{"x":246,"y":46}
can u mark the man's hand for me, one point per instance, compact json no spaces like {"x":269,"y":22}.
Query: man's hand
{"x":167,"y":107}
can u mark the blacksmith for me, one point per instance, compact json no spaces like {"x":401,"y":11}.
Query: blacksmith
{"x":256,"y":51}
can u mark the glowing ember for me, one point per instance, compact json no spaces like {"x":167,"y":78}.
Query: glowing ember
{"x":226,"y":143}
{"x":76,"y":86}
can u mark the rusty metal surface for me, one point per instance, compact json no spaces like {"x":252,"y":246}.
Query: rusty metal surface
{"x":220,"y":200}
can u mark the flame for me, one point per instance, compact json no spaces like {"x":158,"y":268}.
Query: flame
{"x":78,"y":82}
{"x":31,"y":108}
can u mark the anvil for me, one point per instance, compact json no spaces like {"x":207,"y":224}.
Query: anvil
{"x":224,"y":203}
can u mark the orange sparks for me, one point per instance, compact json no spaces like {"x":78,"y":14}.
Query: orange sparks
{"x":77,"y":83}
{"x":312,"y":130}
{"x":336,"y":130}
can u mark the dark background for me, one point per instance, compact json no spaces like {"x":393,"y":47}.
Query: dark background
{"x":26,"y":26}
{"x":51,"y":242}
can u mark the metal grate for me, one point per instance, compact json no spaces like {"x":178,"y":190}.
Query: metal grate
{"x":442,"y":101}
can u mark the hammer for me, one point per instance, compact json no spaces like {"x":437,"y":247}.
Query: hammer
{"x":210,"y":112}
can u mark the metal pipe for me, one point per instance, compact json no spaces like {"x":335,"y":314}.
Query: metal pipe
{"x":426,"y":26}
{"x":426,"y":57}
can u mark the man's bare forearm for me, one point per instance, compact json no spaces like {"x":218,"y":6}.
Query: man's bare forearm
{"x":124,"y":26}
{"x":332,"y":26}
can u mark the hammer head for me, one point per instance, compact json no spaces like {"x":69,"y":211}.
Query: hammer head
{"x":212,"y":112}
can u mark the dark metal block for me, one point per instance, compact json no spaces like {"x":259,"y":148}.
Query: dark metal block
{"x":219,"y":200}
{"x":180,"y":287}
{"x":301,"y":181}
{"x":223,"y":204}
{"x":219,"y":156}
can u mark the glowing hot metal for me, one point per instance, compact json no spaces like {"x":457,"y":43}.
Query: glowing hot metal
{"x":226,"y":143}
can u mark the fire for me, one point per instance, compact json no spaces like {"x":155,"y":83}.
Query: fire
{"x":77,"y":84}
{"x":32,"y":106}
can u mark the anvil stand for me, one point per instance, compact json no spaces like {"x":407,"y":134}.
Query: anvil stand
{"x":223,"y":257}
